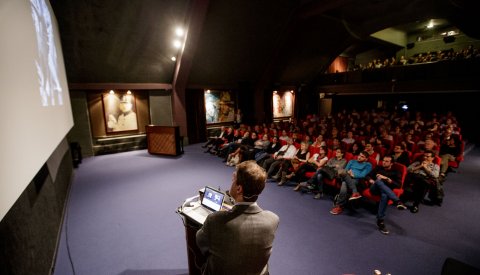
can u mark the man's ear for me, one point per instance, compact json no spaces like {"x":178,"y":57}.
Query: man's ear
{"x":240,"y":189}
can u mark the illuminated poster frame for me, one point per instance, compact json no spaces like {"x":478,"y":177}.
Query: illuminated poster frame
{"x":120,"y":112}
{"x":219,"y":106}
{"x":283,"y":104}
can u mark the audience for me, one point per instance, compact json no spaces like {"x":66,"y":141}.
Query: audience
{"x":410,"y":139}
{"x":449,"y":54}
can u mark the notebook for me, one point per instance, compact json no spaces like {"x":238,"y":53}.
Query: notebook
{"x":212,"y":201}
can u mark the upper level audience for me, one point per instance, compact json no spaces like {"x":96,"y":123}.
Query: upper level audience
{"x":448,"y":54}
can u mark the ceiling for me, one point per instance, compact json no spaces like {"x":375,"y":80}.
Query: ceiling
{"x":286,"y":42}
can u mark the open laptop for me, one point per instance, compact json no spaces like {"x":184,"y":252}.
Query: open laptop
{"x":212,"y":201}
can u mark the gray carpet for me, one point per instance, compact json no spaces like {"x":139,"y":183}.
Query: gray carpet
{"x":121,"y":220}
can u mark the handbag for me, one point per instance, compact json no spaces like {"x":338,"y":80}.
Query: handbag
{"x":295,"y":163}
{"x":329,"y":172}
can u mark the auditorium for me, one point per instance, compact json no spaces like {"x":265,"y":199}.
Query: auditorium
{"x":129,"y":110}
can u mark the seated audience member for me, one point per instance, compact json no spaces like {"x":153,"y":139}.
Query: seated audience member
{"x":429,"y":145}
{"x":234,"y":146}
{"x":421,"y":143}
{"x":319,"y":142}
{"x":356,"y":148}
{"x":386,"y":138}
{"x":372,"y":154}
{"x":409,"y":143}
{"x":307,"y":139}
{"x":301,"y":157}
{"x":225,"y":136}
{"x":397,"y":134}
{"x":211,"y":140}
{"x":382,"y":180}
{"x":400,"y":155}
{"x":314,"y":163}
{"x":330,"y":171}
{"x":273,"y":147}
{"x":235,"y":157}
{"x":240,"y":241}
{"x":261,"y":144}
{"x":222,"y":149}
{"x":243,"y":152}
{"x":271,"y":164}
{"x":284,"y":136}
{"x":380,"y":148}
{"x":349,"y":138}
{"x":295,"y":138}
{"x":423,"y":178}
{"x":449,"y":150}
{"x":334,"y":144}
{"x":354,"y":171}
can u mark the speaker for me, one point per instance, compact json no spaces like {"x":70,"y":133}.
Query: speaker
{"x":449,"y":39}
{"x":410,"y":45}
{"x":454,"y":267}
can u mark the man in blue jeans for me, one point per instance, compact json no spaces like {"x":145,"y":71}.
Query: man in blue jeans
{"x":383,"y":179}
{"x":355,"y":170}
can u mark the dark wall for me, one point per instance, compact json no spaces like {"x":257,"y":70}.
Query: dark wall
{"x":30,"y":230}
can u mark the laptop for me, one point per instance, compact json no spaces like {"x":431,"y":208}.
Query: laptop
{"x":212,"y":201}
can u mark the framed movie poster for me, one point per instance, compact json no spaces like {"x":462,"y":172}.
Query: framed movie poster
{"x":283,"y":104}
{"x":219,"y":106}
{"x":120,"y":112}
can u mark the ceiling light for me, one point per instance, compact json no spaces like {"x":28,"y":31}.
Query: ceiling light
{"x":111,"y":92}
{"x":179,"y":32}
{"x":177,"y":44}
{"x":173,"y":58}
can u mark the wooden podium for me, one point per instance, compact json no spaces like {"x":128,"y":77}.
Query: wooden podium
{"x":164,"y":140}
{"x":195,"y":257}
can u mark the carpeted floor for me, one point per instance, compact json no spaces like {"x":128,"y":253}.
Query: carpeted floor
{"x":121,"y":220}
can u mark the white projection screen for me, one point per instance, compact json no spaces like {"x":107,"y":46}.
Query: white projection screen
{"x":35,"y":110}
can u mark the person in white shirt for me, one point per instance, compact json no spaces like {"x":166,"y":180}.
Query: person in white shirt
{"x":287,"y":151}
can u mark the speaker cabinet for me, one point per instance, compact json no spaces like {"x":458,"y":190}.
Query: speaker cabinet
{"x":449,"y":39}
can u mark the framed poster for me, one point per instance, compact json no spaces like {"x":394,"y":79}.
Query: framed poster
{"x":120,"y":112}
{"x":283,"y":104}
{"x":219,"y":106}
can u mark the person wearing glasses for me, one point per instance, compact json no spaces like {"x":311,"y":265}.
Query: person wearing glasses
{"x":423,"y":177}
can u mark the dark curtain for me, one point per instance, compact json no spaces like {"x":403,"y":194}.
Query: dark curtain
{"x":195,"y":109}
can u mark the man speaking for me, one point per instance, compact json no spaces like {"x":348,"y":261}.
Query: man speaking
{"x":240,"y":241}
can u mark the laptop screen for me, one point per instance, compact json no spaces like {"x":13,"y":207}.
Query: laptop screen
{"x":213,"y":199}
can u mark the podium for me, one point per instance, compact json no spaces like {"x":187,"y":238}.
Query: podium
{"x":195,"y":257}
{"x":164,"y":140}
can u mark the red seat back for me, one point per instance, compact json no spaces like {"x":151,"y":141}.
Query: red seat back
{"x":403,"y":172}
